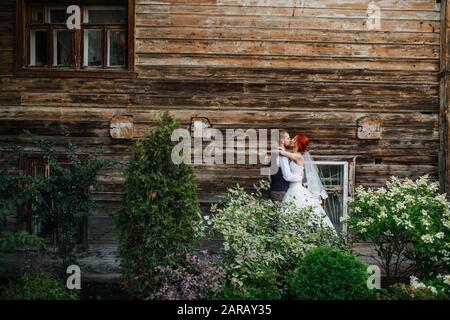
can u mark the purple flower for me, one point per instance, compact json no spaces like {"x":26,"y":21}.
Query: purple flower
{"x":198,"y":277}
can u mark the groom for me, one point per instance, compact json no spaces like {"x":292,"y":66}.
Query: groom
{"x":279,"y":181}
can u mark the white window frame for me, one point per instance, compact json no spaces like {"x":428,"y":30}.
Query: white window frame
{"x":345,"y":187}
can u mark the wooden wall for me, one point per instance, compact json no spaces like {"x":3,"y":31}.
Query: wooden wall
{"x":444,"y":76}
{"x":314,"y":69}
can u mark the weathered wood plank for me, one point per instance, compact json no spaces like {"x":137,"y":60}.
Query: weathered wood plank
{"x":260,"y":11}
{"x":356,"y":24}
{"x":257,"y":64}
{"x":253,"y":48}
{"x":287,"y":36}
{"x":346,"y":4}
{"x":146,"y":61}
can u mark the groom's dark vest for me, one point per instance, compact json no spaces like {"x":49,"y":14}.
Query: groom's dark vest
{"x":277,"y":182}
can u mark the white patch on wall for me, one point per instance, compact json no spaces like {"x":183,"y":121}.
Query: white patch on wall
{"x":122,"y":127}
{"x":279,"y":3}
{"x":369,"y":128}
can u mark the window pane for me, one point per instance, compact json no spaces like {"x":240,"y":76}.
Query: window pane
{"x":39,"y":226}
{"x":58,"y":15}
{"x":106,"y":15}
{"x":37,"y":14}
{"x":334,"y":208}
{"x":332,"y":177}
{"x":38,"y":48}
{"x":62,"y":48}
{"x":117,"y":48}
{"x":92,"y":48}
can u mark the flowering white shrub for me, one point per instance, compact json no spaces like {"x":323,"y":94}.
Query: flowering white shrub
{"x":406,"y":220}
{"x":262,"y":236}
{"x":438,"y":286}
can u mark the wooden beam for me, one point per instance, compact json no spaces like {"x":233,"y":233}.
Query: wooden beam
{"x":444,"y":156}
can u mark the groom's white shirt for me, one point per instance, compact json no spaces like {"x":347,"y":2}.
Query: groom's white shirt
{"x":283,"y":164}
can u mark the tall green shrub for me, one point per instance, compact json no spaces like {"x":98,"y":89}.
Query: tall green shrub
{"x":161,"y":214}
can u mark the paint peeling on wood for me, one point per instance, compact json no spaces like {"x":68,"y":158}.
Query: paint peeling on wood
{"x":369,"y":128}
{"x":122,"y":127}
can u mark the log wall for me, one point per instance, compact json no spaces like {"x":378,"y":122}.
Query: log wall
{"x":309,"y":66}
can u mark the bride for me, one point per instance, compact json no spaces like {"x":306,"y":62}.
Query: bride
{"x":301,"y":162}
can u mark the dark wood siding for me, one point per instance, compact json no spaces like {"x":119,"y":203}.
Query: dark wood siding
{"x":251,"y":64}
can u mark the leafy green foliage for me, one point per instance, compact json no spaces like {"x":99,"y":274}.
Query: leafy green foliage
{"x":67,"y":198}
{"x":439,"y":285}
{"x":38,"y":286}
{"x":263,"y":286}
{"x":407,"y":220}
{"x":161,"y":215}
{"x":433,"y":288}
{"x":16,"y":191}
{"x":329,"y":274}
{"x":60,"y":200}
{"x":407,"y":292}
{"x":264,"y":239}
{"x":16,"y":240}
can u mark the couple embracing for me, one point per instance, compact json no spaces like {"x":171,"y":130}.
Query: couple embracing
{"x":294,"y":163}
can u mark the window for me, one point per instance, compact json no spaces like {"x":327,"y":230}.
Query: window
{"x":104,"y":44}
{"x":336,"y":176}
{"x":36,"y":165}
{"x":34,"y":224}
{"x":38,"y":47}
{"x":116,"y":50}
{"x":62,"y":48}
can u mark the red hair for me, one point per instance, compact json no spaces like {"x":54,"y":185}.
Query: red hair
{"x":301,"y":142}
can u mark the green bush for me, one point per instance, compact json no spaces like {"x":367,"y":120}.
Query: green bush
{"x":60,"y":199}
{"x":440,"y":285}
{"x":262,"y":236}
{"x":161,"y":215}
{"x":262,"y":287}
{"x":407,"y":220}
{"x":38,"y":286}
{"x":13,"y":195}
{"x":434,"y":288}
{"x":65,"y":199}
{"x":329,"y":274}
{"x":407,"y":292}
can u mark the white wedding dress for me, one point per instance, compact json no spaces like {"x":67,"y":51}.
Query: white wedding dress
{"x":301,"y":196}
